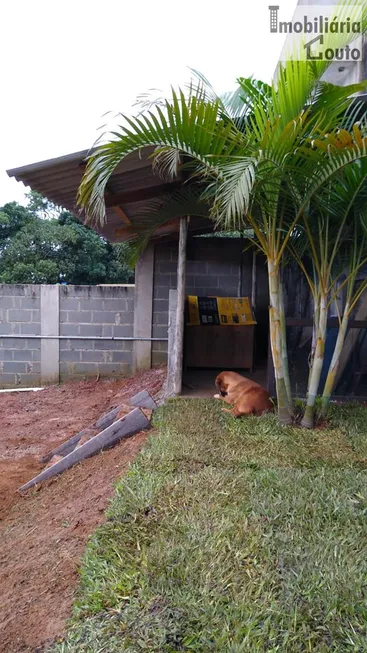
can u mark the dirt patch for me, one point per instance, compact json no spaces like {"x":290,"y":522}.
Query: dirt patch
{"x":43,"y":534}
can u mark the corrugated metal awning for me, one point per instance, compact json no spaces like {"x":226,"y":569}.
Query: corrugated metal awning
{"x":130,"y":187}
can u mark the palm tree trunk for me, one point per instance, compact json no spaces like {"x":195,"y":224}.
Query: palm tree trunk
{"x":284,"y":350}
{"x":316,"y":315}
{"x":334,"y":365}
{"x":317,"y":363}
{"x":276,"y":341}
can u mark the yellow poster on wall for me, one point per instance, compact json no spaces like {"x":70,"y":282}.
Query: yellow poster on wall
{"x":228,"y":311}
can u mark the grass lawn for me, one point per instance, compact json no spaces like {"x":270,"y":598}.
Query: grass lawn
{"x":232,"y":535}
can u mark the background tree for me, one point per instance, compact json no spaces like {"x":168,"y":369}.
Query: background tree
{"x":42,"y":243}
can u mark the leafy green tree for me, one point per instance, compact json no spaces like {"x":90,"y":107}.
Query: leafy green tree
{"x":37,"y":247}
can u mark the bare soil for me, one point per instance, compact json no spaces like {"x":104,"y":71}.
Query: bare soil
{"x":43,"y":533}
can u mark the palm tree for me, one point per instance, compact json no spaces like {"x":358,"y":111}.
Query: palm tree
{"x":253,"y":151}
{"x":331,"y":235}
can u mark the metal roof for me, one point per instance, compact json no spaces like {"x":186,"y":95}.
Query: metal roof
{"x":130,"y":187}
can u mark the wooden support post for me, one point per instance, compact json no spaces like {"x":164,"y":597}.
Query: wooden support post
{"x":125,"y":427}
{"x":180,"y":309}
{"x":254,"y":282}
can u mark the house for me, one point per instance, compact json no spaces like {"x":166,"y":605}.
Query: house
{"x":220,"y":267}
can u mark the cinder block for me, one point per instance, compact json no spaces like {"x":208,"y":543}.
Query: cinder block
{"x":30,"y":380}
{"x":29,"y":303}
{"x":160,"y":331}
{"x":121,"y":357}
{"x":166,"y":267}
{"x":115,"y":304}
{"x":8,"y":380}
{"x":162,"y":253}
{"x":22,"y":355}
{"x":78,"y":291}
{"x":69,"y":330}
{"x":90,"y":330}
{"x":19,"y":315}
{"x":92,"y":356}
{"x":8,"y":354}
{"x":36,"y":355}
{"x":7,"y":302}
{"x":159,"y":358}
{"x":32,"y":329}
{"x":66,"y":368}
{"x":104,"y":317}
{"x":227,"y":290}
{"x":113,"y":369}
{"x":161,"y":319}
{"x":65,"y":345}
{"x":36,"y":316}
{"x":161,"y":292}
{"x":221,"y":267}
{"x":68,"y":303}
{"x":79,"y":343}
{"x":13,"y":343}
{"x":12,"y":290}
{"x":160,"y":346}
{"x":106,"y":345}
{"x":91,"y":304}
{"x":63,"y":316}
{"x":15,"y":368}
{"x":86,"y":368}
{"x":224,"y":281}
{"x":163,"y":280}
{"x":80,"y":317}
{"x":122,"y":330}
{"x":70,"y":356}
{"x":197,"y":267}
{"x":107,"y":330}
{"x":160,"y":306}
{"x":5,"y":329}
{"x":201,"y":281}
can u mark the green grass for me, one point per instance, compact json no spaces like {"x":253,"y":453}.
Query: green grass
{"x":231,"y":535}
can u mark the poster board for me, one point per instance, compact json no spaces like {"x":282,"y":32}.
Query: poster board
{"x":219,"y":311}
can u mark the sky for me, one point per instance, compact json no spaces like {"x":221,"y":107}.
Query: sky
{"x":65,"y":64}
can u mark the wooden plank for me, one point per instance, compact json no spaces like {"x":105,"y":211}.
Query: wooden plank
{"x":228,"y":347}
{"x":143,"y":400}
{"x":180,"y":311}
{"x":142,"y":193}
{"x":125,"y":427}
{"x":172,"y":313}
{"x":69,"y":445}
{"x":109,"y":418}
{"x":121,"y":213}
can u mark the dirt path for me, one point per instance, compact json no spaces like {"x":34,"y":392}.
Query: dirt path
{"x":43,"y":534}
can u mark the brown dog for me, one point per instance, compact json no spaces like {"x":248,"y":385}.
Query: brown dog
{"x":246,"y":396}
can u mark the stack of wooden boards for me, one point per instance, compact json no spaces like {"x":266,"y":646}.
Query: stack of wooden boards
{"x":121,"y":422}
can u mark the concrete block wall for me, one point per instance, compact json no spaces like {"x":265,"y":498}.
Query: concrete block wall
{"x":215,"y":266}
{"x":84,"y":311}
{"x":20,"y":315}
{"x":96,"y":311}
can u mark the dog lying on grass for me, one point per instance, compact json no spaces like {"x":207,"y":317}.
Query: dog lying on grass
{"x":246,"y":396}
